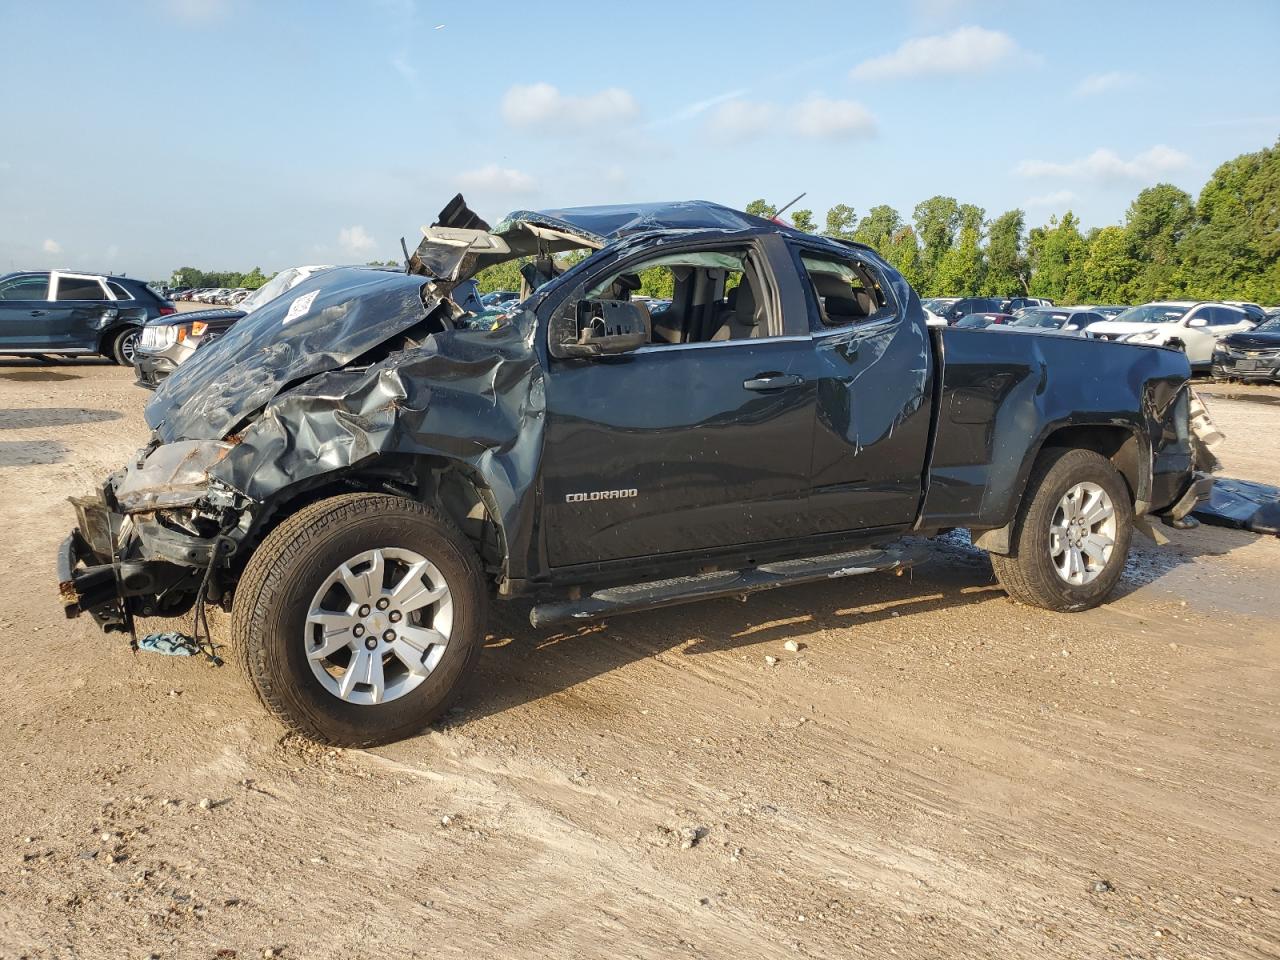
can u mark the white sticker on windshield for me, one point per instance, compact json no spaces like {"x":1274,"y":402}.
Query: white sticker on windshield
{"x":300,"y":306}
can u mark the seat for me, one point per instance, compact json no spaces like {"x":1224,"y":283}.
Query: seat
{"x":743,"y":316}
{"x":838,"y":302}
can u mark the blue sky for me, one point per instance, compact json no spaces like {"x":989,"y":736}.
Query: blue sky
{"x":142,"y":136}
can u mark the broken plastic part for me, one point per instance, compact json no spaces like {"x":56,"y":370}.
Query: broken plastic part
{"x":171,"y":475}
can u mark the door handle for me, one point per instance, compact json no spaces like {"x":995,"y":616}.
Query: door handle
{"x":39,"y":313}
{"x":772,"y":381}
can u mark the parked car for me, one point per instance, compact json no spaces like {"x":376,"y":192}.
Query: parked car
{"x":1255,"y":313}
{"x":1067,"y":320}
{"x":1110,"y":310}
{"x":967,"y":305}
{"x":357,"y":473}
{"x":980,"y":321}
{"x":938,"y":304}
{"x":75,"y":314}
{"x":167,"y":343}
{"x":496,"y":298}
{"x":1250,"y":355}
{"x":1014,"y":304}
{"x":1188,"y":326}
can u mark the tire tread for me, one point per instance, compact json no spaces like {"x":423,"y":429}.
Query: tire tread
{"x":1025,"y":573}
{"x":264,"y":578}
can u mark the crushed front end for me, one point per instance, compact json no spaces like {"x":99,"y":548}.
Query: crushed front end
{"x":149,"y":539}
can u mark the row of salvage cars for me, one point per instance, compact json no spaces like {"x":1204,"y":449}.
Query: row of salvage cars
{"x":1231,"y":340}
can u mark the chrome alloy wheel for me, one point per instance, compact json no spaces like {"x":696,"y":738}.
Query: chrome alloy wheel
{"x":1082,"y":533}
{"x":129,"y":346}
{"x":378,"y":625}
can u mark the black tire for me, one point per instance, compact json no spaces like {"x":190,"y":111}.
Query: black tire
{"x":1028,"y":573}
{"x":270,"y":613}
{"x":120,"y":349}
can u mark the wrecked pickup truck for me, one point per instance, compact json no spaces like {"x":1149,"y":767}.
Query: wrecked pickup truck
{"x":358,"y":467}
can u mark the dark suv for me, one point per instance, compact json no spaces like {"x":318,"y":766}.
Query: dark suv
{"x":74,"y":314}
{"x":968,"y":305}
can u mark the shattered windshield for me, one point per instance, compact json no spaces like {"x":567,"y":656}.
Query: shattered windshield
{"x":282,"y":281}
{"x":1152,"y":313}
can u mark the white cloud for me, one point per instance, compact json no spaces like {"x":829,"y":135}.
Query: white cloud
{"x":355,"y":240}
{"x":833,"y":119}
{"x":1099,"y":83}
{"x":1106,"y":166}
{"x":1058,"y":198}
{"x":496,"y":179}
{"x":965,"y":50}
{"x":736,"y":120}
{"x":542,"y":105}
{"x":51,"y":246}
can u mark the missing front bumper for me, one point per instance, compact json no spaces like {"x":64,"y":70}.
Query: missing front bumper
{"x":92,"y":578}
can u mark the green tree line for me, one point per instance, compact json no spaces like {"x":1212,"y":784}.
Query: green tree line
{"x":1225,"y":244}
{"x":187,"y":277}
{"x":192,"y":277}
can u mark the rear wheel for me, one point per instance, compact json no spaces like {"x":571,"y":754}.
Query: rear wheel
{"x":124,"y":347}
{"x":358,"y":617}
{"x":1072,"y":533}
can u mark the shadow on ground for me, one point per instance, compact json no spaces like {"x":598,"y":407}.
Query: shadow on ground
{"x":33,"y":417}
{"x":521,"y":664}
{"x":30,"y":453}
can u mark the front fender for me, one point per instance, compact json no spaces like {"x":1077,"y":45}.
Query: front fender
{"x":470,"y":397}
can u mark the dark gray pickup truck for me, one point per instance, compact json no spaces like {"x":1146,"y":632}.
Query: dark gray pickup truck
{"x":357,"y":468}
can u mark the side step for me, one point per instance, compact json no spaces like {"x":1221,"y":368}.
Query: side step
{"x":726,"y":583}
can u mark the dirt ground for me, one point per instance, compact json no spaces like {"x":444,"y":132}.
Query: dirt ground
{"x":936,"y":772}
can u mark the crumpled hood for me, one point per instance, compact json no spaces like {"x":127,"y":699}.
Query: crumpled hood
{"x":1253,"y":340}
{"x":189,"y":316}
{"x":322,"y":324}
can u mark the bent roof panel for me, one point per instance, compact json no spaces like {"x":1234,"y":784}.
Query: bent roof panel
{"x":608,"y":223}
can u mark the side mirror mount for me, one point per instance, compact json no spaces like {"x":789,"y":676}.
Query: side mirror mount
{"x":602,"y":328}
{"x":1072,"y":326}
{"x":1197,"y":322}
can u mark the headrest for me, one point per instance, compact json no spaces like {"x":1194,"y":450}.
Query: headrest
{"x":842,"y":307}
{"x":744,"y":304}
{"x":831,"y":285}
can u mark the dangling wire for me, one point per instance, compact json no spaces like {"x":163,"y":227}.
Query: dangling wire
{"x":202,"y":637}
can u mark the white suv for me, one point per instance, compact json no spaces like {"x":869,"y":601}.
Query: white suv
{"x":1187,"y":325}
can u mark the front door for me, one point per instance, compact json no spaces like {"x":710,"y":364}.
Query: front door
{"x":26,"y":312}
{"x":699,"y":440}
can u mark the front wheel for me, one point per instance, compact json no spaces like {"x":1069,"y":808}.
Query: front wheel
{"x":1072,"y":533}
{"x":358,"y":617}
{"x":124,"y":348}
